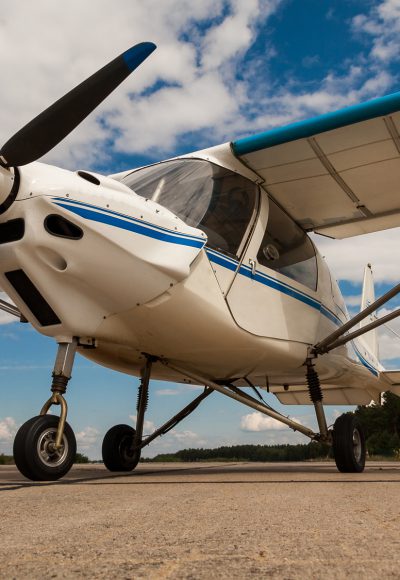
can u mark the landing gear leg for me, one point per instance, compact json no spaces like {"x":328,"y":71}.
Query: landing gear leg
{"x":122,"y":444}
{"x":316,"y":396}
{"x":45,"y":446}
{"x":347,"y":438}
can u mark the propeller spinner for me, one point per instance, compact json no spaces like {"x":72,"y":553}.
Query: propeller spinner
{"x":51,"y":126}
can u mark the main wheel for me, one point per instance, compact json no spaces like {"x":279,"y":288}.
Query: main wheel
{"x":117,"y":449}
{"x":34,"y":452}
{"x":349,"y":444}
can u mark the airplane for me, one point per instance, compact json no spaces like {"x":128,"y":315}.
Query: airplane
{"x":200,"y":269}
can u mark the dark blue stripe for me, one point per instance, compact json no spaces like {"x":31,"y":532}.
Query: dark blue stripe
{"x":275,"y":284}
{"x":132,"y":226}
{"x":288,"y":290}
{"x":363,"y":361}
{"x":222,"y":261}
{"x":130,"y":218}
{"x":302,"y":129}
{"x":330,"y":315}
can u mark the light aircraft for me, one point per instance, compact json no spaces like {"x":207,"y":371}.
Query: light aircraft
{"x":200,"y":269}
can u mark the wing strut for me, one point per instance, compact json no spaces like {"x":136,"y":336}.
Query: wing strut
{"x":10,"y":309}
{"x":243,"y":398}
{"x":337,"y":339}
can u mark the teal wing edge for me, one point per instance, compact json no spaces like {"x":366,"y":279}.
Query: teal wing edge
{"x":337,"y":174}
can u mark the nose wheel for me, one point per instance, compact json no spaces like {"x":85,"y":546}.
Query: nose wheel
{"x":45,"y":446}
{"x":35,"y":452}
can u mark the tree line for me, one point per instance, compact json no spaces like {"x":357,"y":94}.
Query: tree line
{"x":382,"y":426}
{"x":300,"y":452}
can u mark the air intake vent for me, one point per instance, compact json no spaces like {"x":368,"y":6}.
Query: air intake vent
{"x":32,"y":298}
{"x":12,"y":231}
{"x":58,"y":226}
{"x":89,"y":177}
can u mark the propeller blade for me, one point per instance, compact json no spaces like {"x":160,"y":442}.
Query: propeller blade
{"x":51,"y":126}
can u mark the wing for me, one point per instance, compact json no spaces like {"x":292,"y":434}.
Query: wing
{"x":393,"y":379}
{"x":337,"y":174}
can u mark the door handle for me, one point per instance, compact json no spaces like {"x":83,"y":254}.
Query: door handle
{"x":253,"y":266}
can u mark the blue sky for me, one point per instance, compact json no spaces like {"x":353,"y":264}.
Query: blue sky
{"x":223,"y":69}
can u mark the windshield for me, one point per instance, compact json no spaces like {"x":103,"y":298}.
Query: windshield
{"x":205,"y":196}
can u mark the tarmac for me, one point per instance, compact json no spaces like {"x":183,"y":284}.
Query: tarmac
{"x":203,"y":521}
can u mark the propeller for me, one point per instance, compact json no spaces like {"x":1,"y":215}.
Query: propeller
{"x":52,"y":125}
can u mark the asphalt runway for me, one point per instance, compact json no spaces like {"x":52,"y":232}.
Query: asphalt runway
{"x":203,"y":520}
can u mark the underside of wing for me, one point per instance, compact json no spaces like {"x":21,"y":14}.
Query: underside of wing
{"x":393,"y":379}
{"x":333,"y":395}
{"x":337,"y":174}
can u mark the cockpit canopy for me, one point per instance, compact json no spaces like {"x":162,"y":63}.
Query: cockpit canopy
{"x":222,"y":204}
{"x":205,"y":196}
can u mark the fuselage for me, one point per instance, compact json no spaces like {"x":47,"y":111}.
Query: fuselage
{"x":221,"y":281}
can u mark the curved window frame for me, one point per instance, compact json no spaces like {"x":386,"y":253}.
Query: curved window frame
{"x":269,"y":264}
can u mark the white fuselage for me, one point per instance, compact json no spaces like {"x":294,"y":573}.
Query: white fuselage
{"x":140,"y":280}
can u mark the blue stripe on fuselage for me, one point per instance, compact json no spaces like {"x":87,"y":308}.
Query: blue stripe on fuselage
{"x":120,"y":221}
{"x":288,"y":290}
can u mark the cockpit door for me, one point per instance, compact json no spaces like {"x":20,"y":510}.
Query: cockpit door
{"x":228,"y":223}
{"x":274,"y":293}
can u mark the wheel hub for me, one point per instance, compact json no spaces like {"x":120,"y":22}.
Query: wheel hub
{"x":126,"y":448}
{"x":357,"y":445}
{"x":47,"y":451}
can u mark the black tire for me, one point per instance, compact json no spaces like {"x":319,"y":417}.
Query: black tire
{"x":349,"y":444}
{"x":116,"y":449}
{"x":32,"y":454}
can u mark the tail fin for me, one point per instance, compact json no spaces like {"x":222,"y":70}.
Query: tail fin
{"x":370,"y":339}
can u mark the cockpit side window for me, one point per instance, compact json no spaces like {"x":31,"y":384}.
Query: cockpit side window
{"x":204,"y":195}
{"x":287,"y":249}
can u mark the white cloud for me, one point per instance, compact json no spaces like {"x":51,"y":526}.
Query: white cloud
{"x":353,"y":301}
{"x":201,"y":46}
{"x":235,"y":33}
{"x":382,"y":23}
{"x":196,"y":44}
{"x":148,"y":426}
{"x":168,"y":392}
{"x":187,"y":438}
{"x":6,"y":318}
{"x":23,"y":367}
{"x":172,"y":438}
{"x":389,"y":343}
{"x":8,"y":429}
{"x":258,"y":422}
{"x":87,"y":438}
{"x":347,"y":258}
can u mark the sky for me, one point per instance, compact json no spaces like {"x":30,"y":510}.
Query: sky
{"x":223,"y":69}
